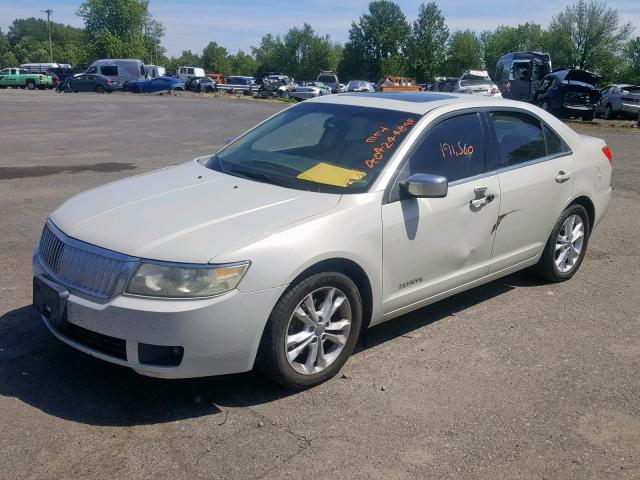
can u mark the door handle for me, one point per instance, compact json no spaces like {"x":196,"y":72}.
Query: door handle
{"x":479,"y":202}
{"x":563,"y":176}
{"x":481,"y":197}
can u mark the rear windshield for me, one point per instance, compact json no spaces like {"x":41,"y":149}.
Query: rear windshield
{"x":634,"y":89}
{"x":475,"y":81}
{"x":318,"y":147}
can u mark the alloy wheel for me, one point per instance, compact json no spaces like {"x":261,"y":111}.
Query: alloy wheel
{"x":569,"y":243}
{"x":318,"y":330}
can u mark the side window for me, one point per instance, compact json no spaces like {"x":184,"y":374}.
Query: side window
{"x":109,"y":70}
{"x":190,"y":71}
{"x":92,"y":70}
{"x":554,"y":144}
{"x":453,"y":149}
{"x":520,"y":138}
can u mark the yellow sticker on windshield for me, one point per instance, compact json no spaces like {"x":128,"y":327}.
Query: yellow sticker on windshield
{"x":332,"y":175}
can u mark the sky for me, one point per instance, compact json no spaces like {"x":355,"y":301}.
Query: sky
{"x":238,"y":25}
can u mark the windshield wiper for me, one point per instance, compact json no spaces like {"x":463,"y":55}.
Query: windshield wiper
{"x":259,"y":176}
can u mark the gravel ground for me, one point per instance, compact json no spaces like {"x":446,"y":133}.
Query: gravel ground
{"x":514,"y":379}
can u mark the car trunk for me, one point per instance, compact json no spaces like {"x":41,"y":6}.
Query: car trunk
{"x":579,"y":87}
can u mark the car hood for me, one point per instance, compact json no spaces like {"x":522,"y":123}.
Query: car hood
{"x":187,"y":213}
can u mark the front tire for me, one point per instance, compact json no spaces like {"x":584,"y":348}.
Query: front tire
{"x":566,"y":246}
{"x":31,"y":85}
{"x":311,"y":331}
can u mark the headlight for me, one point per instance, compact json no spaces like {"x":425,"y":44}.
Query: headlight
{"x":185,"y":281}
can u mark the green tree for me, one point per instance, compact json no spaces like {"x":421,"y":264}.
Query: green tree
{"x":381,"y":33}
{"x":214,"y":59}
{"x":464,"y":52}
{"x":270,"y":54}
{"x":243,"y":64}
{"x":187,"y":58}
{"x":505,"y":39}
{"x":153,"y":31}
{"x":427,"y":44}
{"x":586,"y":35}
{"x":631,"y":70}
{"x":115,"y":27}
{"x":8,"y":59}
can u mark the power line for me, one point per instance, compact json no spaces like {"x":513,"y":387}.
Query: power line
{"x":49,"y":12}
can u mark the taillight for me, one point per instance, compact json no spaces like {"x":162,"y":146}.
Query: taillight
{"x":507,"y":87}
{"x":109,"y":81}
{"x":608,"y":153}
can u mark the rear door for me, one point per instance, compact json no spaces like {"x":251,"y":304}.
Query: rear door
{"x":520,"y":80}
{"x":535,"y":171}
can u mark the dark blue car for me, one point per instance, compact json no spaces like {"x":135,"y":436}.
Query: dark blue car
{"x":155,"y":85}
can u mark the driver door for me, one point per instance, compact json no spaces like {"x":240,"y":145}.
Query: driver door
{"x":433,"y":245}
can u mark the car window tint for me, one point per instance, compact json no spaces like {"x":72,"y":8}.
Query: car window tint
{"x":554,"y":144}
{"x":190,"y":71}
{"x":453,"y":149}
{"x":520,"y":138}
{"x":109,"y":70}
{"x":306,"y":131}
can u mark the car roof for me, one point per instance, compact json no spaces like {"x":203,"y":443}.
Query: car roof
{"x":416,"y":102}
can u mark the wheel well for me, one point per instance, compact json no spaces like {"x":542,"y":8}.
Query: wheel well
{"x":352,"y":270}
{"x":588,"y":206}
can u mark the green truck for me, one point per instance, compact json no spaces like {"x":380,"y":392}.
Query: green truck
{"x":19,"y":77}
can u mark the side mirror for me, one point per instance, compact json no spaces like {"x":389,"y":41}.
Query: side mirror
{"x":424,"y":185}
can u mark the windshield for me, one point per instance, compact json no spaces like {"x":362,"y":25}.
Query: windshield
{"x":328,"y":79}
{"x":318,"y":146}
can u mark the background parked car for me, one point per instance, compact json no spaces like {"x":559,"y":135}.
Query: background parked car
{"x":200,"y":84}
{"x":239,"y":83}
{"x":155,"y":71}
{"x":570,"y":93}
{"x":185,"y":73}
{"x":120,"y":70}
{"x":307,"y":90}
{"x":477,"y":82}
{"x":156,"y":85}
{"x":86,"y":82}
{"x":519,"y":75}
{"x":330,"y":79}
{"x":19,"y":77}
{"x":360,"y":86}
{"x":620,"y":101}
{"x":444,"y":84}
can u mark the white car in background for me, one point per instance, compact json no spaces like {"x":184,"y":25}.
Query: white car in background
{"x":333,"y":215}
{"x":477,"y":82}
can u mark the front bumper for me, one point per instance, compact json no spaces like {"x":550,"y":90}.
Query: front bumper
{"x":219,"y":335}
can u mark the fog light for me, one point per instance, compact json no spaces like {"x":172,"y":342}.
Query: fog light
{"x":160,"y":355}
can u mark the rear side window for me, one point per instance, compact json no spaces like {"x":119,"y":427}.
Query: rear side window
{"x":554,"y":144}
{"x":454,"y":149}
{"x":190,"y":71}
{"x":109,"y":70}
{"x":520,"y":138}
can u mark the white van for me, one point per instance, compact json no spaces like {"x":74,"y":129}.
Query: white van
{"x":155,"y":71}
{"x":185,"y":73}
{"x":122,"y":70}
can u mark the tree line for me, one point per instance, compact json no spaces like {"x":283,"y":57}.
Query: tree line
{"x":587,"y":34}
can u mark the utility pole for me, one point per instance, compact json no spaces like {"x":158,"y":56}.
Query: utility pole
{"x":49,"y":12}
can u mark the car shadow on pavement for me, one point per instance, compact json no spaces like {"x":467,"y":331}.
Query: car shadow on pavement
{"x":60,"y":381}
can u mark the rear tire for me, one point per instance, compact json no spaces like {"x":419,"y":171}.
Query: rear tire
{"x":277,"y":353}
{"x":564,"y":251}
{"x":99,"y":89}
{"x":608,"y":112}
{"x":587,"y":117}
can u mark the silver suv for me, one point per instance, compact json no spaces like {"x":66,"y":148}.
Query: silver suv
{"x":330,"y":79}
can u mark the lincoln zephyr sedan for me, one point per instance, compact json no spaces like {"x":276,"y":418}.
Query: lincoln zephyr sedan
{"x":329,"y":217}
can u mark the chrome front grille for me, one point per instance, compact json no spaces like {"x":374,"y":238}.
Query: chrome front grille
{"x":77,"y":265}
